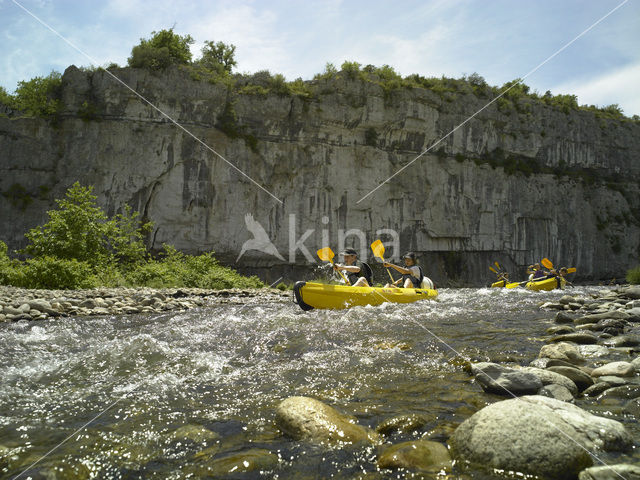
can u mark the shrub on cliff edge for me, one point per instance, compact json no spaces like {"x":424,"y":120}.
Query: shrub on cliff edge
{"x":163,"y":49}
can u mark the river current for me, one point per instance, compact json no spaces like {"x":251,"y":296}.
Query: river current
{"x":226,"y":367}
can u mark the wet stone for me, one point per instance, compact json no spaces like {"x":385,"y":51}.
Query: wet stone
{"x":611,"y":472}
{"x":402,"y":423}
{"x":562,"y":351}
{"x":618,"y":369}
{"x":623,"y":341}
{"x":581,"y":379}
{"x":556,"y":391}
{"x":560,"y":330}
{"x":582,"y":338}
{"x":494,"y":378}
{"x":421,"y":455}
{"x":596,"y":389}
{"x":563,"y":317}
{"x":624,"y":392}
{"x":614,"y":381}
{"x":593,"y":351}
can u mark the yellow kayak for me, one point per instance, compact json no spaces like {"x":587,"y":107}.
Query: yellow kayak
{"x":501,"y":283}
{"x":546,"y":284}
{"x":318,"y":295}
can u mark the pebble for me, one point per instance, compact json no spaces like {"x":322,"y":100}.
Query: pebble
{"x":23,"y":304}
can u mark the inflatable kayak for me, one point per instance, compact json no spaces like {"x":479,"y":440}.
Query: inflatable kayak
{"x":318,"y":295}
{"x":546,"y":284}
{"x":501,"y":283}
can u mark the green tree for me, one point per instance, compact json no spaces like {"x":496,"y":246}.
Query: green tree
{"x":80,"y":230}
{"x":39,"y":96}
{"x":218,"y":57}
{"x":163,"y":49}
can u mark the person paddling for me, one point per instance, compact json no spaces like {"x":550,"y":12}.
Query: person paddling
{"x":535,"y":272}
{"x":412,"y":275}
{"x":358,"y":273}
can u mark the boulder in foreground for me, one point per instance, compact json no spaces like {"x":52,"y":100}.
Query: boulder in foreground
{"x":529,"y":435}
{"x":308,"y":419}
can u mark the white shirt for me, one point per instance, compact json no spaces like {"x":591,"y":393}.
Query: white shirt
{"x":415,"y":271}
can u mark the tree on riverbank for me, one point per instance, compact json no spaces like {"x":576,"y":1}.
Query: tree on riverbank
{"x":81,"y":247}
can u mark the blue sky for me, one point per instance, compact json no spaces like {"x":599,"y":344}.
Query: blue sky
{"x":499,"y":39}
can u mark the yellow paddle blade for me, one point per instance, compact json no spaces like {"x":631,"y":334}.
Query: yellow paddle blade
{"x":547,"y":263}
{"x":378,"y":249}
{"x":326,"y":254}
{"x":493,"y":270}
{"x":571,"y":270}
{"x":497,"y":265}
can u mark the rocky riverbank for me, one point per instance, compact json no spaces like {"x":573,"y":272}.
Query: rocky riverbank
{"x":23,"y":304}
{"x":553,"y":424}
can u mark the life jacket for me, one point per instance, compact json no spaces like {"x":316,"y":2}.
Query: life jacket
{"x":417,"y":282}
{"x":365,"y":271}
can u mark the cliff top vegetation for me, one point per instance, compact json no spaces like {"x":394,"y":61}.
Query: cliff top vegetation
{"x":40,"y":96}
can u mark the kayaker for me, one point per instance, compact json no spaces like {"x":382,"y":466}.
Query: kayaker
{"x":358,"y":273}
{"x":535,"y":272}
{"x":412,"y":274}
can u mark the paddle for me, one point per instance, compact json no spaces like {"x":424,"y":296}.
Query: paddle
{"x":497,"y":265}
{"x":326,"y":255}
{"x":547,"y":263}
{"x":378,"y":250}
{"x":493,"y":270}
{"x":516,"y":284}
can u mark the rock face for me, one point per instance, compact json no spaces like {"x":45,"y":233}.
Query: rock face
{"x":524,"y":435}
{"x":475,"y":197}
{"x":308,"y":419}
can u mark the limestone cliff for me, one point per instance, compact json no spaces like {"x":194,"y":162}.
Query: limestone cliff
{"x":512,"y":185}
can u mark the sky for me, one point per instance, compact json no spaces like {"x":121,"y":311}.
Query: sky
{"x":499,"y":39}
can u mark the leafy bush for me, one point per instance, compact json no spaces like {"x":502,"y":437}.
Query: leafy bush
{"x":352,"y":69}
{"x":54,"y":273}
{"x":6,"y":98}
{"x":633,"y":275}
{"x":330,"y":71}
{"x":163,"y":49}
{"x":176,"y":269}
{"x":8,"y":272}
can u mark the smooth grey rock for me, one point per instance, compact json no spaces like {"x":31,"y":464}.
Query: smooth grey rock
{"x":308,"y":419}
{"x":554,"y":362}
{"x":494,"y":378}
{"x":556,"y":391}
{"x":610,"y":322}
{"x":596,"y":317}
{"x":581,"y":379}
{"x":617,"y":471}
{"x":562,"y":351}
{"x":9,"y":310}
{"x":529,"y":435}
{"x":548,"y":377}
{"x":616,"y":369}
{"x":563,"y":317}
{"x":560,"y":330}
{"x":566,"y":299}
{"x":583,"y":338}
{"x":623,"y":341}
{"x":421,"y":455}
{"x":539,"y":362}
{"x":636,"y":364}
{"x":596,"y":389}
{"x":593,"y":351}
{"x":626,"y":391}
{"x":614,"y":381}
{"x":632,"y":292}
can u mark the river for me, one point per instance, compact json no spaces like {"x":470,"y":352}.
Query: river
{"x":226,"y":367}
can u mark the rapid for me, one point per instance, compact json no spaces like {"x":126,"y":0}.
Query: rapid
{"x":186,"y":389}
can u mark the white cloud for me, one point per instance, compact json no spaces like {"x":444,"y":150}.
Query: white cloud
{"x":618,"y":86}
